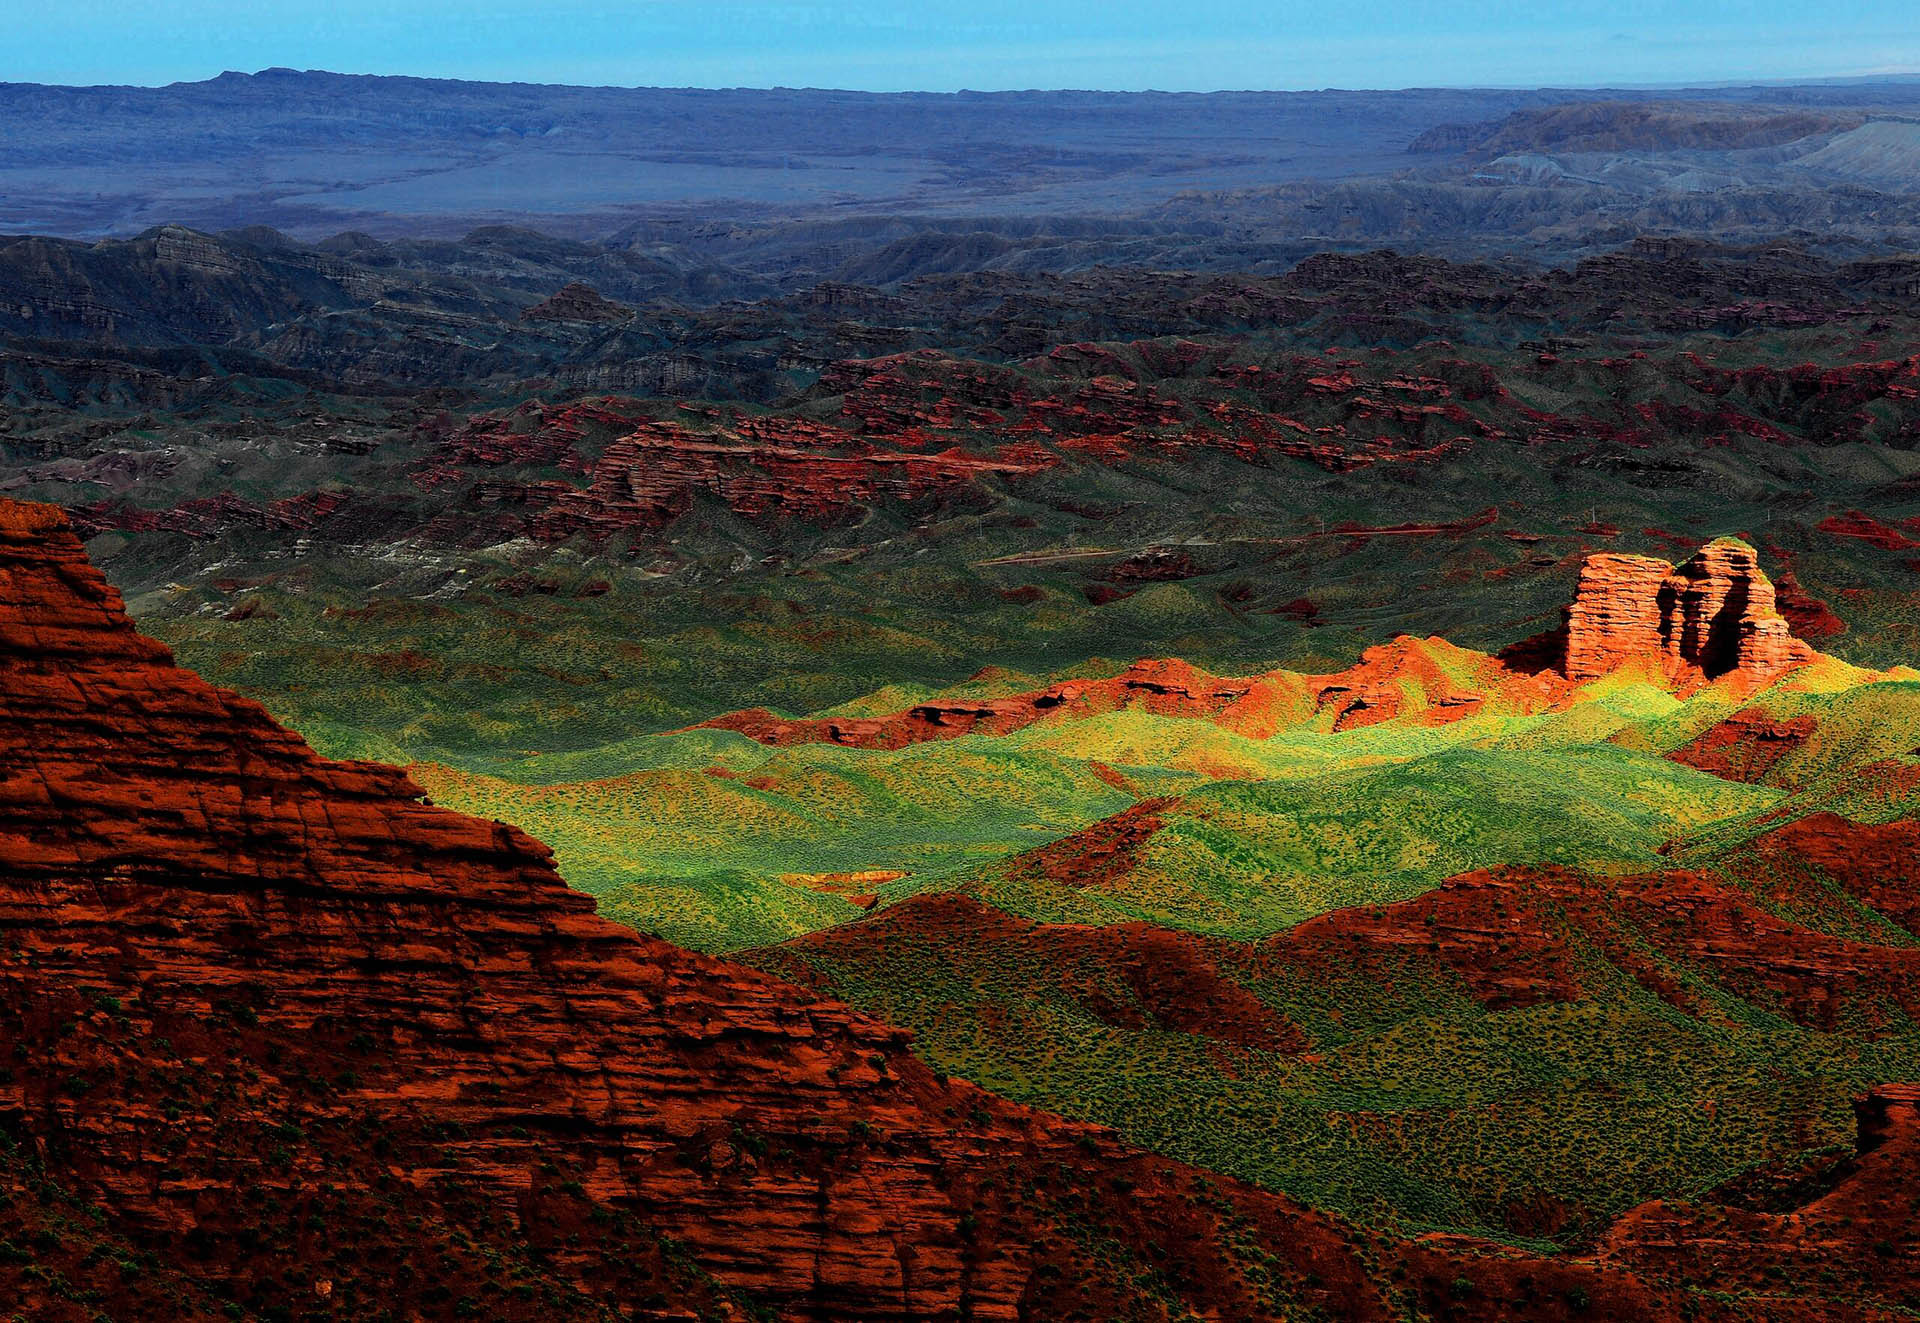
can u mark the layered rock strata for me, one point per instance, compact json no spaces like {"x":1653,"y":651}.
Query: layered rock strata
{"x":1712,"y":615}
{"x":237,"y":978}
{"x":285,"y":1041}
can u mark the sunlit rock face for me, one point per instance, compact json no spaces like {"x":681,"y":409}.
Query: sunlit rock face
{"x":243,"y":972}
{"x":1713,"y":615}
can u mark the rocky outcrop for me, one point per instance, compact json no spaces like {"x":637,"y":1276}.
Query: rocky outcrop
{"x":1511,"y":939}
{"x":1808,"y":616}
{"x":1857,"y":1234}
{"x":1877,"y":864}
{"x":1747,"y":746}
{"x":1888,"y":1113}
{"x":577,"y":302}
{"x":272,"y":1014}
{"x":782,"y":472}
{"x":285,"y":1040}
{"x":1169,"y":687}
{"x":1713,"y":615}
{"x":1619,"y":612}
{"x":1408,"y":678}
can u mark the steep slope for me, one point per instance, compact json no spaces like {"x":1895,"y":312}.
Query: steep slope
{"x":276,"y":1011}
{"x":287,"y":1042}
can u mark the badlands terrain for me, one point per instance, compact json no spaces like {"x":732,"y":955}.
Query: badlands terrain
{"x":1333,"y":736}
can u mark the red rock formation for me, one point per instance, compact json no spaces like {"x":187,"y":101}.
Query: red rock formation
{"x":1888,"y":1114}
{"x":1858,"y":1236}
{"x":1727,"y":618}
{"x":771,"y":469}
{"x":1746,"y":746}
{"x":1131,"y":975}
{"x":1713,"y":615}
{"x":1400,"y":678}
{"x":1515,"y":938}
{"x":1865,"y":528}
{"x":1808,"y":616}
{"x":280,"y":1012}
{"x":1170,"y":687}
{"x":1099,"y":855}
{"x":1619,"y":612}
{"x":284,"y":1039}
{"x":1879,"y":863}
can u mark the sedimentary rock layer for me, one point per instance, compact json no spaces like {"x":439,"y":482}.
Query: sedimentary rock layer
{"x":220,"y":948}
{"x":285,"y":1039}
{"x":1714,"y":614}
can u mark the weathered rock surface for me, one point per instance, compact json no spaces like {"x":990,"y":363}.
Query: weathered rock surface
{"x":1877,"y":863}
{"x":1515,"y":938}
{"x":285,"y":1040}
{"x":1402,"y":678}
{"x":1713,"y":615}
{"x":238,"y":978}
{"x":1745,"y":1249}
{"x":1747,"y":745}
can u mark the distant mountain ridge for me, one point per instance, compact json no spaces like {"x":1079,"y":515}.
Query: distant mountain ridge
{"x":314,"y":152}
{"x":733,"y":319}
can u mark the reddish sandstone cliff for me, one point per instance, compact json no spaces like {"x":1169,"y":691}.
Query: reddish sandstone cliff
{"x":1714,"y":615}
{"x":284,"y":1041}
{"x":276,"y":1010}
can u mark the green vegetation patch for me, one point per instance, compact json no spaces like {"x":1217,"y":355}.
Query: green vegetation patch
{"x":1245,"y":859}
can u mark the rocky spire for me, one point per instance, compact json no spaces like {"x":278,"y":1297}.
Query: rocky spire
{"x":1713,"y":615}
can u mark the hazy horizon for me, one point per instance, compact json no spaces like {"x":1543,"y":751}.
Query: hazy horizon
{"x":982,"y":45}
{"x":1603,"y":85}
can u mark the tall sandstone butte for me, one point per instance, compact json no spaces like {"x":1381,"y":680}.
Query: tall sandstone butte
{"x":1713,"y":615}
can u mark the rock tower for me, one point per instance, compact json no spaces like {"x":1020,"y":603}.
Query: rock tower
{"x":1712,"y":615}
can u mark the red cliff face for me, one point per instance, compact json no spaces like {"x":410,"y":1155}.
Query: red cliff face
{"x":282,"y":1040}
{"x":294,"y":1032}
{"x":1713,"y":615}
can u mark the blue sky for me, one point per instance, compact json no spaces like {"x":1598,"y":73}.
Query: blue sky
{"x":945,"y":45}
